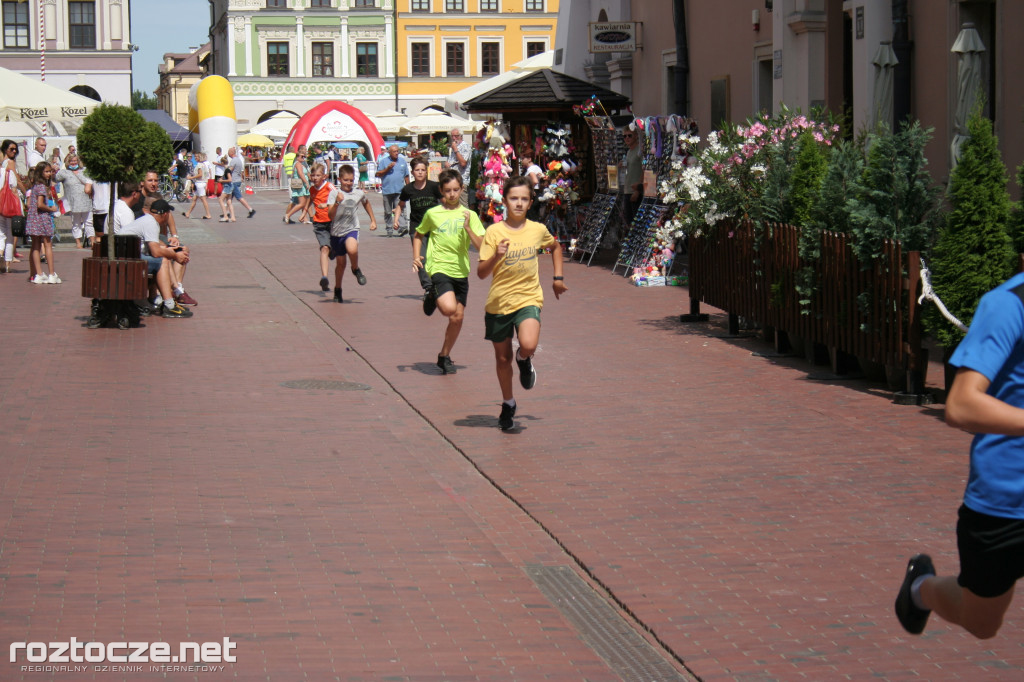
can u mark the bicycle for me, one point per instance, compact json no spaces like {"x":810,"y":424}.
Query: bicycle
{"x":172,"y":188}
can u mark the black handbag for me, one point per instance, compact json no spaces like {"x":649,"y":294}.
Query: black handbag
{"x":18,"y":226}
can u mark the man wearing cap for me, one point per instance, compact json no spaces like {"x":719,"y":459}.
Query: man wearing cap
{"x":150,"y":193}
{"x":159,"y":256}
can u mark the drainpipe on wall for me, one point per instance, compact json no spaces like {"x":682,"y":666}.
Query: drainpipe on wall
{"x":394,"y":47}
{"x":902,"y":74}
{"x":682,"y":70}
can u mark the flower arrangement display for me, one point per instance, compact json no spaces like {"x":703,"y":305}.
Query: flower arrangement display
{"x":742,"y":172}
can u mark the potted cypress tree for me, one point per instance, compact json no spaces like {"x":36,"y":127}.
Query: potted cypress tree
{"x":974,"y":252}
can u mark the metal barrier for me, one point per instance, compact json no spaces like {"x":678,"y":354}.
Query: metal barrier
{"x":265,"y":176}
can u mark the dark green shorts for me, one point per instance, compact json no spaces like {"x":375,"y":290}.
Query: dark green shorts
{"x":498,"y":328}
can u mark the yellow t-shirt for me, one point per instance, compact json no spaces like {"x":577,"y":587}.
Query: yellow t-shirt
{"x":515,"y":281}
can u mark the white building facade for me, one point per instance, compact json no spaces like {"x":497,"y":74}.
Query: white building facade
{"x":290,"y":55}
{"x":86,"y":45}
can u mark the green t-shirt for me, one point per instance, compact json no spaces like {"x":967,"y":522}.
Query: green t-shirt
{"x":448,"y":248}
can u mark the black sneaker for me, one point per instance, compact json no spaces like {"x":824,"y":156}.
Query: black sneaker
{"x":359,"y":276}
{"x":527,"y":374}
{"x":252,"y":213}
{"x":144,"y":310}
{"x":176,"y":311}
{"x":325,"y":284}
{"x":912,"y":618}
{"x":337,"y":296}
{"x":446,"y":364}
{"x":429,"y":303}
{"x":505,"y":422}
{"x":95,"y":322}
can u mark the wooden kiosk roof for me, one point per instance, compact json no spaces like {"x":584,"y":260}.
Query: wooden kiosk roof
{"x":543,"y":91}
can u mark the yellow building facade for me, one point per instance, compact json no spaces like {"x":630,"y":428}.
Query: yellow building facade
{"x":444,"y":46}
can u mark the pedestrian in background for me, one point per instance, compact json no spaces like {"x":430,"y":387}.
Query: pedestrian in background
{"x":459,"y":156}
{"x":13,"y":180}
{"x":392,"y":169}
{"x":77,"y":193}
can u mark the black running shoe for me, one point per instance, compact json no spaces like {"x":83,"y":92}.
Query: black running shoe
{"x":95,"y":322}
{"x":176,"y":311}
{"x":429,"y":303}
{"x":505,"y":422}
{"x":446,"y":364}
{"x":359,"y":276}
{"x":912,"y":618}
{"x":337,"y":296}
{"x":325,"y":284}
{"x":252,"y":213}
{"x":527,"y":374}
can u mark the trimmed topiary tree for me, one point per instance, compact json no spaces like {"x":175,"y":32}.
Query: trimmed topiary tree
{"x":117,"y":145}
{"x":974,"y":253}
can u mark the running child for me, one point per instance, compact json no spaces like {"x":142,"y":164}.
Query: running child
{"x":452,"y":228}
{"x":422,"y":195}
{"x":510,"y":253}
{"x":345,"y":227}
{"x":320,"y":198}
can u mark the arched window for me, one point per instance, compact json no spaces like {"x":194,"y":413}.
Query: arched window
{"x":87,"y":91}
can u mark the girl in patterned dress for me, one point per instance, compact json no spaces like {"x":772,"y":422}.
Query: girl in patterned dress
{"x":39,"y":223}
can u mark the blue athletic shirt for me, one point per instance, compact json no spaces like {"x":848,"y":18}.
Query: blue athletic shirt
{"x":994,"y":347}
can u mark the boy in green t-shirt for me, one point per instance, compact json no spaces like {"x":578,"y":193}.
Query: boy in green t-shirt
{"x":452,"y":228}
{"x":510,"y":251}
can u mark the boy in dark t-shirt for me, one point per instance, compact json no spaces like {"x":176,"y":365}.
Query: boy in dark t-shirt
{"x":421,"y":195}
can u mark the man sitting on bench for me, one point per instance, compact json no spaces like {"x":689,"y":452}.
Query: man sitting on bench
{"x":158,"y":255}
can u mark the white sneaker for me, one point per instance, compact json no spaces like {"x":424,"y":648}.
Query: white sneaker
{"x":40,"y":279}
{"x":53,"y":278}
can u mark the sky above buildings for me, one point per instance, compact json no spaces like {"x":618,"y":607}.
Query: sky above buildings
{"x":158,"y":27}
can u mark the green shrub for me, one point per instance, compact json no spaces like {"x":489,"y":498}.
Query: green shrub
{"x":896,"y":198}
{"x":974,"y":253}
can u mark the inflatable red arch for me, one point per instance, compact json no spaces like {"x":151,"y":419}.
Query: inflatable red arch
{"x":335,"y":121}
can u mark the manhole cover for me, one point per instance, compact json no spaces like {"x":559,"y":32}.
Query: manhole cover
{"x":325,"y":385}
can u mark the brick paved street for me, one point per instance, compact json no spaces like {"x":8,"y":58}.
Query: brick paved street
{"x":170,"y":483}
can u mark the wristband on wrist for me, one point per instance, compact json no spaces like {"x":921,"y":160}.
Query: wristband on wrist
{"x":558,"y":278}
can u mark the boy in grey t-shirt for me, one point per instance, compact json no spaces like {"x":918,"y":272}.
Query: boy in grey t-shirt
{"x":345,"y":226}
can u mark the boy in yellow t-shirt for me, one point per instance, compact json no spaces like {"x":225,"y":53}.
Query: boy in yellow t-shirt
{"x":510,"y":252}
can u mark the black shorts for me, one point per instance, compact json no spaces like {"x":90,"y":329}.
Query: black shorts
{"x":443,"y":284}
{"x":991,"y":552}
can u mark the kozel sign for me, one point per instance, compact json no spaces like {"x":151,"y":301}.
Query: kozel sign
{"x":613,"y":37}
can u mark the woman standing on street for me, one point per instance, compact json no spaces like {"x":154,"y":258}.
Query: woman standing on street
{"x":12,"y":180}
{"x":300,"y":196}
{"x":78,"y":192}
{"x":199,"y":177}
{"x":39,"y":223}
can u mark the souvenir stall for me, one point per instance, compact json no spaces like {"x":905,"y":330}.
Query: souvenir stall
{"x":647,"y":251}
{"x":536,"y":110}
{"x":609,"y":151}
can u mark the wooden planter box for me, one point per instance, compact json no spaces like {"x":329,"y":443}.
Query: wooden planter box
{"x":123,"y":279}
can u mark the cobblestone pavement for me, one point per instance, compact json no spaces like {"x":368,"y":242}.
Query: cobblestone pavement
{"x":297,"y":476}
